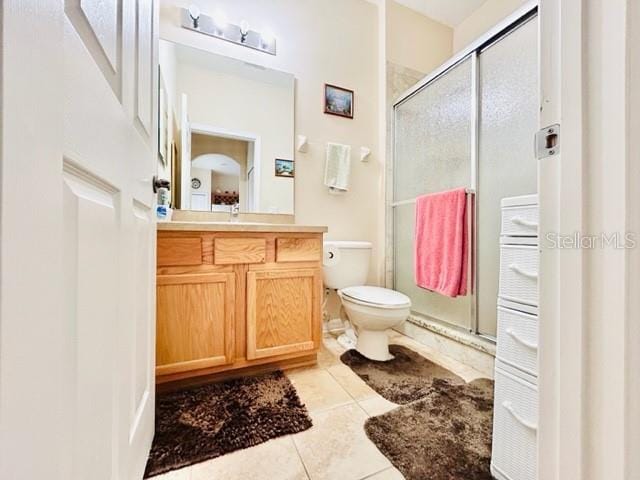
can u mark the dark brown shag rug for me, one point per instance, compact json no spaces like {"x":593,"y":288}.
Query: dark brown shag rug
{"x":444,"y":436}
{"x":208,"y":421}
{"x":404,"y":379}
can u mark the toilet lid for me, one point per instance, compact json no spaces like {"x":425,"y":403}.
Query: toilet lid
{"x":377,"y":296}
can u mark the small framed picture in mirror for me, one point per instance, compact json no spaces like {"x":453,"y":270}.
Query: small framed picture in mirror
{"x":338,"y":101}
{"x":285,"y":168}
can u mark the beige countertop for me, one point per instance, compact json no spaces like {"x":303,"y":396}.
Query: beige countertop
{"x":239,"y":227}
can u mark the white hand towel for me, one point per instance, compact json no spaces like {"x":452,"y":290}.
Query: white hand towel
{"x":338,"y":166}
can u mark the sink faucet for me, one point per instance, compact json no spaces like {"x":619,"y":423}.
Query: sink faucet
{"x":234,"y":211}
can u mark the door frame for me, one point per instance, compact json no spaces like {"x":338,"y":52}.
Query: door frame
{"x":589,"y":303}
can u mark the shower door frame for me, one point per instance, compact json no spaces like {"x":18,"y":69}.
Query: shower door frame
{"x":521,"y":16}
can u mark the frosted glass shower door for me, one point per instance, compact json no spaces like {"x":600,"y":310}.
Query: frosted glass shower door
{"x":432,"y":152}
{"x":507,"y":167}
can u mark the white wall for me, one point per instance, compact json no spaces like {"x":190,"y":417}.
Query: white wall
{"x":490,"y":13}
{"x":226,"y":183}
{"x":205,"y":179}
{"x":332,"y":41}
{"x":414,"y":40}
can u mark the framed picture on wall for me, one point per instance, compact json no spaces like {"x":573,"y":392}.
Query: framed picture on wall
{"x":338,"y":101}
{"x":285,"y":168}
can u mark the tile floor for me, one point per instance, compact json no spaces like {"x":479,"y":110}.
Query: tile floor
{"x":336,"y":447}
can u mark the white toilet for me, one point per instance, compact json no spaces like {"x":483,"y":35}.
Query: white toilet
{"x":372,"y":310}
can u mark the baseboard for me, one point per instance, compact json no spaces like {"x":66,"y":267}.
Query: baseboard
{"x":454,"y":345}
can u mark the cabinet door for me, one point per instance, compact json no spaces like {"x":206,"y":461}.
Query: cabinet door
{"x":195,"y":321}
{"x":283,"y":312}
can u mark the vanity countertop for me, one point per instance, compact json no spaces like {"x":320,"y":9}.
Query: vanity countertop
{"x":239,"y":227}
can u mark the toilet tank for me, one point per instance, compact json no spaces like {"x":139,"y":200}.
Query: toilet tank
{"x":345,"y":263}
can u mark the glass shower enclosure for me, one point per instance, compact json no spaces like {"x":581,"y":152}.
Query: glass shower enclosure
{"x":471,"y":124}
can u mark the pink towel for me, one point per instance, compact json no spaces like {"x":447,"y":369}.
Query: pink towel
{"x":441,"y":242}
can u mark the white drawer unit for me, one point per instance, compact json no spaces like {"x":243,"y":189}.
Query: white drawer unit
{"x":515,"y":420}
{"x":519,"y":273}
{"x":520,"y":216}
{"x":517,"y":343}
{"x":515,"y":414}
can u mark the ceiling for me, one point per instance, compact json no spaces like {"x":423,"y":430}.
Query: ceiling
{"x":449,"y":12}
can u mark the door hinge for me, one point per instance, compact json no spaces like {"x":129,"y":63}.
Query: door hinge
{"x":547,"y":141}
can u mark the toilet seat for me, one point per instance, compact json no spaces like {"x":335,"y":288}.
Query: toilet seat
{"x":375,"y":297}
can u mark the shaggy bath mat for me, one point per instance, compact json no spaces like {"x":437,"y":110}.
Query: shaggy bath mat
{"x":404,"y":379}
{"x":205,"y":422}
{"x":444,"y":436}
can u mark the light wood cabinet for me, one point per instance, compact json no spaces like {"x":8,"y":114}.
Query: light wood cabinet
{"x":231,"y":302}
{"x":195,"y":322}
{"x":283,"y":312}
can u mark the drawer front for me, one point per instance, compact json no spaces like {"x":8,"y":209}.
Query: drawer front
{"x":232,"y":251}
{"x":520,"y":221}
{"x":519,"y":274}
{"x":298,"y":250}
{"x":517,"y":342}
{"x":179,"y":251}
{"x":515,"y":423}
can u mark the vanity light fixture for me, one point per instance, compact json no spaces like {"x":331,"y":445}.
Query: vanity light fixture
{"x":267,"y":39}
{"x":218,"y":27}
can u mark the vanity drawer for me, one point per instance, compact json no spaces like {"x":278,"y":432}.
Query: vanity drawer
{"x":520,"y":221}
{"x":517,"y":343}
{"x":230,"y":251}
{"x":179,"y":251}
{"x":298,"y":249}
{"x":519,"y":273}
{"x":515,"y":425}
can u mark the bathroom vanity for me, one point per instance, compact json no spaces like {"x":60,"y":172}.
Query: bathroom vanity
{"x":233,"y":297}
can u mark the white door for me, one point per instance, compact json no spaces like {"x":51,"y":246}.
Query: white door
{"x":77,"y":260}
{"x":200,"y":202}
{"x":185,"y":154}
{"x":589,"y":412}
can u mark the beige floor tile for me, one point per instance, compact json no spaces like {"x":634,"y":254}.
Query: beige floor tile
{"x":388,"y":474}
{"x":332,"y":345}
{"x":182,"y":474}
{"x":376,"y":405}
{"x":337,"y":447}
{"x":275,"y":459}
{"x":351,"y":382}
{"x":326,"y":358}
{"x":317,"y":389}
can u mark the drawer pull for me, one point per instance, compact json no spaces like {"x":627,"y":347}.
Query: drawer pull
{"x":509,"y":408}
{"x":516,"y":268}
{"x":524,"y":223}
{"x":514,"y":335}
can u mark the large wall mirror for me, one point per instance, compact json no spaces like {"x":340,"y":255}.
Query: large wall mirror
{"x":226,"y":132}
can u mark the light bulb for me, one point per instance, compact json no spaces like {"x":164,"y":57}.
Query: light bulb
{"x":267,"y":39}
{"x":244,"y":27}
